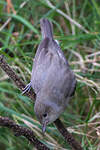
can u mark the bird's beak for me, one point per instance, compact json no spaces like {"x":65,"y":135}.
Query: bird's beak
{"x":44,"y":127}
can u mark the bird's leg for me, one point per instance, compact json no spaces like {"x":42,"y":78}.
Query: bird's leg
{"x":57,"y":42}
{"x":27,"y":88}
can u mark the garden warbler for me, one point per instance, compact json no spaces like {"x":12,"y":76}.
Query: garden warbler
{"x":52,"y":79}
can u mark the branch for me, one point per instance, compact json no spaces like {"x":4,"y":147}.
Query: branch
{"x":19,"y":83}
{"x":68,"y":137}
{"x":22,"y":131}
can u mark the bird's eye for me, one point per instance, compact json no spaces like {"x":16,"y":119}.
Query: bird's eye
{"x":44,"y":115}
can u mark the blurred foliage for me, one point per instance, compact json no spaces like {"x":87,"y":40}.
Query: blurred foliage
{"x":18,"y":43}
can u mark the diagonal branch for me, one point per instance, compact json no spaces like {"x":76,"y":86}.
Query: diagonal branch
{"x":19,"y":83}
{"x":22,"y":131}
{"x":68,"y":137}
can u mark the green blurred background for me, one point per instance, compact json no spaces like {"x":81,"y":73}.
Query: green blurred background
{"x":77,"y":28}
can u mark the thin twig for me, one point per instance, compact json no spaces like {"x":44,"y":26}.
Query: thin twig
{"x":22,"y":131}
{"x":68,"y":137}
{"x":81,"y":61}
{"x":66,"y":16}
{"x":5,"y":24}
{"x":88,"y":82}
{"x":9,"y":19}
{"x":69,"y":13}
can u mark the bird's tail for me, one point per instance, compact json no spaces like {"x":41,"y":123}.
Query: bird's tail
{"x":46,"y":28}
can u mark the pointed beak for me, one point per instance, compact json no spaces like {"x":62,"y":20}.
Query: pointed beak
{"x":44,"y":124}
{"x":44,"y":127}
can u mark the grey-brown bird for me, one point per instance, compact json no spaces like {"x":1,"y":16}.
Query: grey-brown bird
{"x":52,"y":79}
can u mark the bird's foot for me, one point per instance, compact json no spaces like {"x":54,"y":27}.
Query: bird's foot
{"x":27,"y":88}
{"x":57,"y":42}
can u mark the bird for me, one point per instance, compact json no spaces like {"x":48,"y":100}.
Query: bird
{"x":52,"y":79}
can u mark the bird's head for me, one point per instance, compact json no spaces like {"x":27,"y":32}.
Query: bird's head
{"x":46,"y":112}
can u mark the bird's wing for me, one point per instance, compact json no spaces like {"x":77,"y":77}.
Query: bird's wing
{"x":41,"y":65}
{"x":41,"y":48}
{"x":73,"y":89}
{"x":60,"y":79}
{"x":56,"y":51}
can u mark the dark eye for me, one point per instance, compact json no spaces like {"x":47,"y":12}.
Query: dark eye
{"x":44,"y":115}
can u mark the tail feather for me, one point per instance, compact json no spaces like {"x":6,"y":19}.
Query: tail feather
{"x":46,"y":29}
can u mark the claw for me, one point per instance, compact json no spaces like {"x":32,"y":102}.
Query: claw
{"x":27,"y":88}
{"x":57,"y":42}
